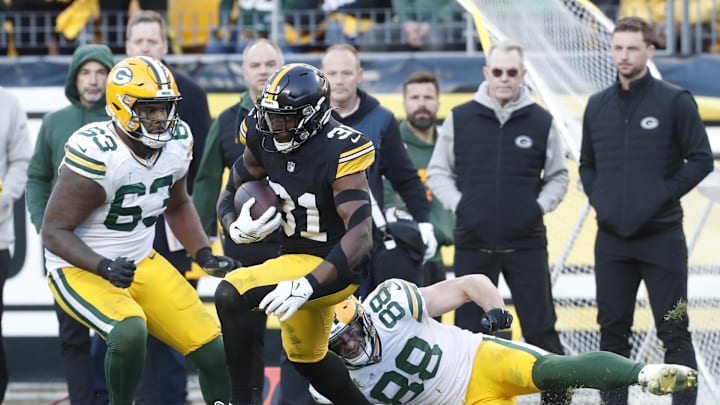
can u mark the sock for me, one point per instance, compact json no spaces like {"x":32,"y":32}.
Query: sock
{"x":125,"y":359}
{"x":600,"y":370}
{"x":212,"y":371}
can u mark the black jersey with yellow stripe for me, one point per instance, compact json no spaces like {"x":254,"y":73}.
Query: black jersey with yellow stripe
{"x":303,"y":178}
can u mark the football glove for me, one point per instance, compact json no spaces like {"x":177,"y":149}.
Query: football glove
{"x":248,"y":230}
{"x":216,"y":266}
{"x":287,"y":298}
{"x":494,"y":320}
{"x":119,"y":272}
{"x":427,"y":232}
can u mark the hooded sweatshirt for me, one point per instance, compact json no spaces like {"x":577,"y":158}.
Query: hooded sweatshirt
{"x":57,"y":127}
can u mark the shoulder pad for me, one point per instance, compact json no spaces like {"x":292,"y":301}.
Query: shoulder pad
{"x":356,"y":151}
{"x":407,"y":292}
{"x":183,"y":134}
{"x":88,"y":148}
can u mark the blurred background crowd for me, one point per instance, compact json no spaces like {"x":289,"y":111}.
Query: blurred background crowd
{"x":56,"y":27}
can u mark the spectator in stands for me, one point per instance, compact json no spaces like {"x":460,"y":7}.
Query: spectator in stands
{"x":644,"y":146}
{"x":239,"y":23}
{"x":85,"y":89}
{"x":421,"y":101}
{"x":261,"y":59}
{"x":656,"y":13}
{"x":499,"y":164}
{"x":115,"y":15}
{"x":418,"y":25}
{"x":15,"y":153}
{"x":165,"y":375}
{"x":26,"y":38}
{"x":349,"y":20}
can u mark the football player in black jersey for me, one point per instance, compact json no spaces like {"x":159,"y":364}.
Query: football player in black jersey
{"x":318,"y":168}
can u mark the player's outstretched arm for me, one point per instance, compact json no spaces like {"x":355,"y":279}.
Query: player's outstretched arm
{"x":448,"y":295}
{"x":73,"y":199}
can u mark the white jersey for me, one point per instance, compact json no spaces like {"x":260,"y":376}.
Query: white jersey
{"x":423,"y":361}
{"x":136,"y":190}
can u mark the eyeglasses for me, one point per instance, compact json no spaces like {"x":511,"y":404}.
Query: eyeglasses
{"x":512,"y":72}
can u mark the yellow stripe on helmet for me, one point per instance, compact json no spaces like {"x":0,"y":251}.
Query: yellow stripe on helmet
{"x":271,"y":91}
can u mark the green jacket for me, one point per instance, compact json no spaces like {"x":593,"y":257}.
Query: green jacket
{"x":420,"y":152}
{"x":221,"y":150}
{"x":57,"y":127}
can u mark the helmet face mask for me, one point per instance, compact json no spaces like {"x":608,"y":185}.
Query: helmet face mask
{"x":353,"y":336}
{"x":294,"y":106}
{"x":142,"y":98}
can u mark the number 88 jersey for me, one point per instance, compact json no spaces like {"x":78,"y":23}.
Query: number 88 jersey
{"x":423,"y":361}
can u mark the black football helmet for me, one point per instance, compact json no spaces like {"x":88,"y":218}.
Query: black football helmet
{"x":294,"y":106}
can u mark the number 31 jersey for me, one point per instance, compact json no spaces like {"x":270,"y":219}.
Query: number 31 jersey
{"x":304,"y":179}
{"x":136,"y":190}
{"x":423,"y":361}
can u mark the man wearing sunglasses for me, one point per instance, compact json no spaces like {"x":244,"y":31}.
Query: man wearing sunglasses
{"x":499,"y":164}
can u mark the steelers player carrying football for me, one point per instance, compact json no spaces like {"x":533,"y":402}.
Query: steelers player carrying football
{"x":318,"y":168}
{"x":116,"y":178}
{"x":398,"y":354}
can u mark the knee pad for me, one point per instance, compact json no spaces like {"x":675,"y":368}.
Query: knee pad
{"x":210,"y":355}
{"x":227,"y":298}
{"x":128,"y":336}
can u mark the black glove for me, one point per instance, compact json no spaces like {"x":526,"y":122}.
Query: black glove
{"x":495,"y":319}
{"x":216,"y":266}
{"x":119,"y":272}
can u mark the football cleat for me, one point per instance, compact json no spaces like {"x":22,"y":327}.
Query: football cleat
{"x":662,"y":379}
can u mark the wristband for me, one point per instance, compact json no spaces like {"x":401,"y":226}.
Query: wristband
{"x":203,"y":255}
{"x":338,"y":259}
{"x":314,"y":283}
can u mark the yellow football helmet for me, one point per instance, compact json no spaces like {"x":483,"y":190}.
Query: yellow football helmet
{"x":353,"y":336}
{"x":142,"y":80}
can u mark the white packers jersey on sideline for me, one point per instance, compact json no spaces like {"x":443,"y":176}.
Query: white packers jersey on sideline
{"x":136,"y":190}
{"x":423,"y":361}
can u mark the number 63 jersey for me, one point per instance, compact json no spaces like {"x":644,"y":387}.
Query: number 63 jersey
{"x":136,"y":190}
{"x":423,"y":361}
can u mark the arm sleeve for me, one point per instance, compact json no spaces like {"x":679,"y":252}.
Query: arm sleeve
{"x":397,"y":167}
{"x":441,"y":176}
{"x":208,"y":180}
{"x":555,"y":173}
{"x":693,"y":139}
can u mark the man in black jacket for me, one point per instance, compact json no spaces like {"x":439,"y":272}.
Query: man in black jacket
{"x":644,"y":146}
{"x":499,"y":164}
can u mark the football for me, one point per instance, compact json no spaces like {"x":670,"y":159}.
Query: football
{"x":264,"y":195}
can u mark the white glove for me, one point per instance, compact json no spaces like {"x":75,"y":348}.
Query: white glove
{"x":248,"y":230}
{"x":428,"y":236}
{"x":318,"y":397}
{"x":287,"y":298}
